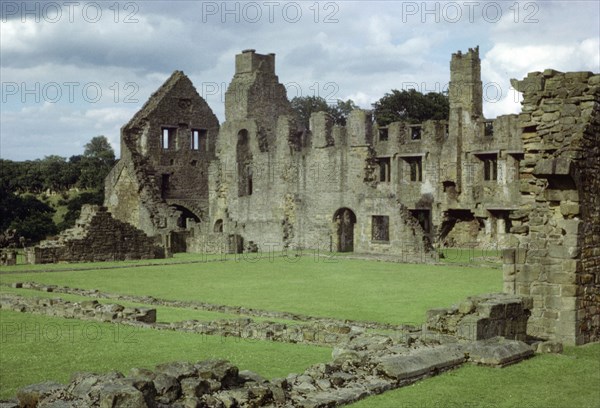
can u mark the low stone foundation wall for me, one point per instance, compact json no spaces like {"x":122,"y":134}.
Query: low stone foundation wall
{"x":350,"y":376}
{"x":85,"y":310}
{"x":483,"y":317}
{"x":363,"y":363}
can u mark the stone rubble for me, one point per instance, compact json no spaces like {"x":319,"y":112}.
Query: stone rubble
{"x":363,"y":363}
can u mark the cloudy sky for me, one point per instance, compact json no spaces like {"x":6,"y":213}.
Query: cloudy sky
{"x":74,"y":70}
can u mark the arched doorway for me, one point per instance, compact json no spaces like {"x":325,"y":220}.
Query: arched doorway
{"x":185,"y":213}
{"x":344,"y":220}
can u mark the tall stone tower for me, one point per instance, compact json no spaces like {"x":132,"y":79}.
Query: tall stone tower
{"x":466,"y":113}
{"x":255,"y":93}
{"x":465,"y":82}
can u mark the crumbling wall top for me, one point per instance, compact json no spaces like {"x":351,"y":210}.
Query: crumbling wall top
{"x":249,"y":61}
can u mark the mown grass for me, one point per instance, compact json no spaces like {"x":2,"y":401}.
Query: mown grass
{"x":329,"y":287}
{"x":165,"y":314}
{"x":569,"y":380}
{"x":342,"y":288}
{"x":39,"y":348}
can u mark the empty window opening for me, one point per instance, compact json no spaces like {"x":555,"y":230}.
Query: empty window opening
{"x":218,"y":226}
{"x":380,"y":228}
{"x":249,"y":179}
{"x":415,"y":168}
{"x":194,"y":163}
{"x":415,"y":133}
{"x":490,"y":167}
{"x":384,"y":164}
{"x":489,"y":129}
{"x":164,"y":185}
{"x":244,"y":164}
{"x":167,"y":137}
{"x":424,"y":219}
{"x":383,"y":134}
{"x":199,"y":139}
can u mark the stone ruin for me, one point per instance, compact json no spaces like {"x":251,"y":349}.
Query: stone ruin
{"x":260,"y":182}
{"x":96,"y":236}
{"x":556,"y":260}
{"x":363,"y":362}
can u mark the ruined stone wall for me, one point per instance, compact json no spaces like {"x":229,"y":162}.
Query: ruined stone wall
{"x":302,"y":184}
{"x":557,"y":261}
{"x":263,"y":183}
{"x":97,"y":236}
{"x":363,"y":363}
{"x":166,"y":149}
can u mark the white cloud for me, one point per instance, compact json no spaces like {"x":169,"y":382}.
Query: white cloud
{"x":372,"y":48}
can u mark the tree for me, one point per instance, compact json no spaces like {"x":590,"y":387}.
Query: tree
{"x":304,"y":106}
{"x":99,"y":148}
{"x":31,"y":218}
{"x":411,"y":106}
{"x":95,"y":164}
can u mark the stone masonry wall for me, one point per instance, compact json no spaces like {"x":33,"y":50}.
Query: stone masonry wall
{"x":97,"y":236}
{"x":557,"y":260}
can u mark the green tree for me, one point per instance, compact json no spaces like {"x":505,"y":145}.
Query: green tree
{"x":99,"y":148}
{"x":411,"y":106}
{"x":31,"y":218}
{"x":95,"y":164}
{"x":304,"y":106}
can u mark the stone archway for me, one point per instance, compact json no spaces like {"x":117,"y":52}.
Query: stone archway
{"x":184,"y":215}
{"x":344,"y":220}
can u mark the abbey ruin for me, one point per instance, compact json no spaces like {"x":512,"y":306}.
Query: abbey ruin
{"x":526,"y":183}
{"x":259,"y":181}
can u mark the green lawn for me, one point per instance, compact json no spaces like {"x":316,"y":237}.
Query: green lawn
{"x":165,"y":314}
{"x":340,"y":288}
{"x":569,"y":380}
{"x":39,"y":348}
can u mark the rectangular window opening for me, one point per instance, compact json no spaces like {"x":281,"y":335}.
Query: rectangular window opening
{"x":199,"y":139}
{"x":383,"y":134}
{"x":490,"y":167}
{"x":380,"y":228}
{"x":167,"y":137}
{"x":415,"y":167}
{"x":489,"y":129}
{"x":384,"y":164}
{"x":164,"y":185}
{"x":415,"y":133}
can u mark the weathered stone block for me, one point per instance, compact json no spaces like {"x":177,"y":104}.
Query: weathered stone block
{"x":497,"y":352}
{"x":121,"y":395}
{"x":31,"y":395}
{"x":420,"y":362}
{"x":569,"y":208}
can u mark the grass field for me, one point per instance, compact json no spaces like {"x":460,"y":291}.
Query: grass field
{"x":340,"y":288}
{"x":334,"y":287}
{"x":39,"y":348}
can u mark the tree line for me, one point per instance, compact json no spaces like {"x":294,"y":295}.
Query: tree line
{"x":409,"y":106}
{"x":25,"y":216}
